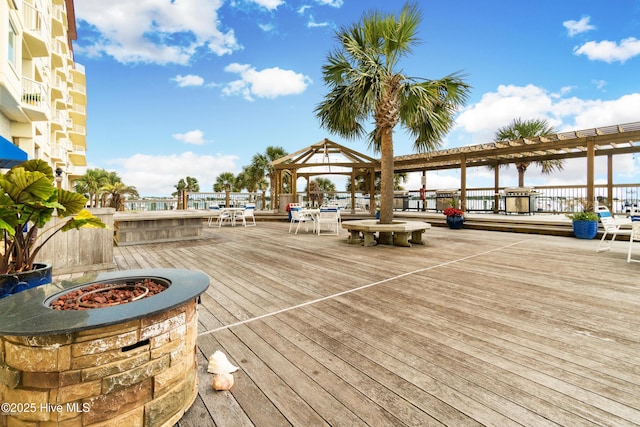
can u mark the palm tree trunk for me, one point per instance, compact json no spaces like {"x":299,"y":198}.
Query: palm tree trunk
{"x":386,"y":183}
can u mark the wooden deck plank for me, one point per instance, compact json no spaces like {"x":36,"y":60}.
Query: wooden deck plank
{"x":473,"y":328}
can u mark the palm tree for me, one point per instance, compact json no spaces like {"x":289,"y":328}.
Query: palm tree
{"x":362,"y":182}
{"x":189,"y":184}
{"x":90,"y":184}
{"x":262,"y":162}
{"x":364,"y":81}
{"x":520,"y":128}
{"x":116,"y":194}
{"x":226,"y":181}
{"x":252,"y":178}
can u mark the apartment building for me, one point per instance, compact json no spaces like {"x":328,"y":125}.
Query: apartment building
{"x":43,"y":95}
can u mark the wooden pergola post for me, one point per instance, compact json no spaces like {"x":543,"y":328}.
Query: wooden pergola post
{"x":496,"y":188}
{"x":590,"y":171}
{"x":463,"y":183}
{"x":610,"y":182}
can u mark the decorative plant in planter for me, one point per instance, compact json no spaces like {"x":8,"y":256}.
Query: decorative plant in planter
{"x":585,"y":224}
{"x":28,"y":199}
{"x":455,"y":217}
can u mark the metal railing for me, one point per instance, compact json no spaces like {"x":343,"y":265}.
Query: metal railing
{"x":548,"y":199}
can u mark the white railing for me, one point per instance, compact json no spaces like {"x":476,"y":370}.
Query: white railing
{"x":76,"y":87}
{"x":34,"y":93}
{"x":34,"y":21}
{"x":79,"y":108}
{"x":79,"y":129}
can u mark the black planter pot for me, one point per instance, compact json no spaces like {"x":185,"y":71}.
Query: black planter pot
{"x":14,"y":283}
{"x":455,"y":221}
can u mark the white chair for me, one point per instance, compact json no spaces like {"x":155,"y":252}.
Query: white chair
{"x":214,"y":211}
{"x":635,"y":237}
{"x":226,"y":215}
{"x":330,"y":217}
{"x":298,"y":216}
{"x":610,"y":227}
{"x":246,"y":214}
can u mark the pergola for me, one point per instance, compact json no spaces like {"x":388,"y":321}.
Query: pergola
{"x":324,"y":158}
{"x":588,"y":143}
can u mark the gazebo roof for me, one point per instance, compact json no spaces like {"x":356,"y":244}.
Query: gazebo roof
{"x":325,"y":158}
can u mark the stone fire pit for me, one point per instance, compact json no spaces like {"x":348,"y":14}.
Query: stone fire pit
{"x":131,"y":364}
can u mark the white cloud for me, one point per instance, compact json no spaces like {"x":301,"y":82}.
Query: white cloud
{"x":266,"y":27}
{"x":578,"y":27}
{"x":195,"y":137}
{"x":158,"y":175}
{"x":332,"y":3}
{"x":269,"y":4}
{"x":604,"y":113}
{"x":159,"y":32}
{"x":188,"y":80}
{"x":478,"y":123}
{"x":610,"y":51}
{"x":267,"y":83}
{"x":313,"y":24}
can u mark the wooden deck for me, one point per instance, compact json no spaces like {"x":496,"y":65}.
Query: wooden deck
{"x":473,"y":328}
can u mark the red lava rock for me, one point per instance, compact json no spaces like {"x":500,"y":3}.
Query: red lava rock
{"x":100,"y":295}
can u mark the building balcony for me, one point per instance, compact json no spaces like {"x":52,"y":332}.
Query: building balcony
{"x":78,"y":74}
{"x":78,"y":109}
{"x":78,"y":88}
{"x":58,"y":21}
{"x":36,"y":33}
{"x":34,"y":102}
{"x":78,"y":135}
{"x":59,"y":154}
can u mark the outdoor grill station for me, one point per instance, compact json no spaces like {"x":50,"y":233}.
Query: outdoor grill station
{"x":444,"y":198}
{"x":520,"y":200}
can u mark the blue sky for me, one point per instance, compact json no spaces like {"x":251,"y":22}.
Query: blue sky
{"x":197,"y":87}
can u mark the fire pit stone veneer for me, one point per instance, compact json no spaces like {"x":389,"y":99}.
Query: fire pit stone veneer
{"x":132,"y":364}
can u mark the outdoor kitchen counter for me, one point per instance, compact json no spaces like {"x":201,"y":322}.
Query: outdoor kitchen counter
{"x":134,"y":228}
{"x":27,"y":314}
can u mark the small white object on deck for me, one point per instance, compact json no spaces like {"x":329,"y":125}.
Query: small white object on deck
{"x":219,"y":364}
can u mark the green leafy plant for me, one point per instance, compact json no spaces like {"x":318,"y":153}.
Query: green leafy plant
{"x":28,"y":199}
{"x":583,"y":216}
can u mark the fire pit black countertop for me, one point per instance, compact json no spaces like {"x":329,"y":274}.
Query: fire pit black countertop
{"x":27,"y":313}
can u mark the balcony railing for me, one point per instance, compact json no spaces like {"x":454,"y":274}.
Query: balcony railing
{"x":34,"y":21}
{"x":76,"y":87}
{"x":82,"y":130}
{"x":79,"y":108}
{"x":34,"y":93}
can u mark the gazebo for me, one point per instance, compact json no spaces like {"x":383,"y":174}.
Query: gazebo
{"x":322,"y":158}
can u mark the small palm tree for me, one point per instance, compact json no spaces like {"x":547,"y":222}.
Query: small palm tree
{"x":520,"y":128}
{"x":263,"y":162}
{"x":116,"y":194}
{"x":189,"y":184}
{"x":364,"y":82}
{"x":90,"y":184}
{"x":226,"y":181}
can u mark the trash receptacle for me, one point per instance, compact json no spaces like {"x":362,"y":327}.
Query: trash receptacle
{"x":285,"y":199}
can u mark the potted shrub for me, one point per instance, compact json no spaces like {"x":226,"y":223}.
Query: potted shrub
{"x":585,"y":224}
{"x":455,"y":217}
{"x":28,"y":199}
